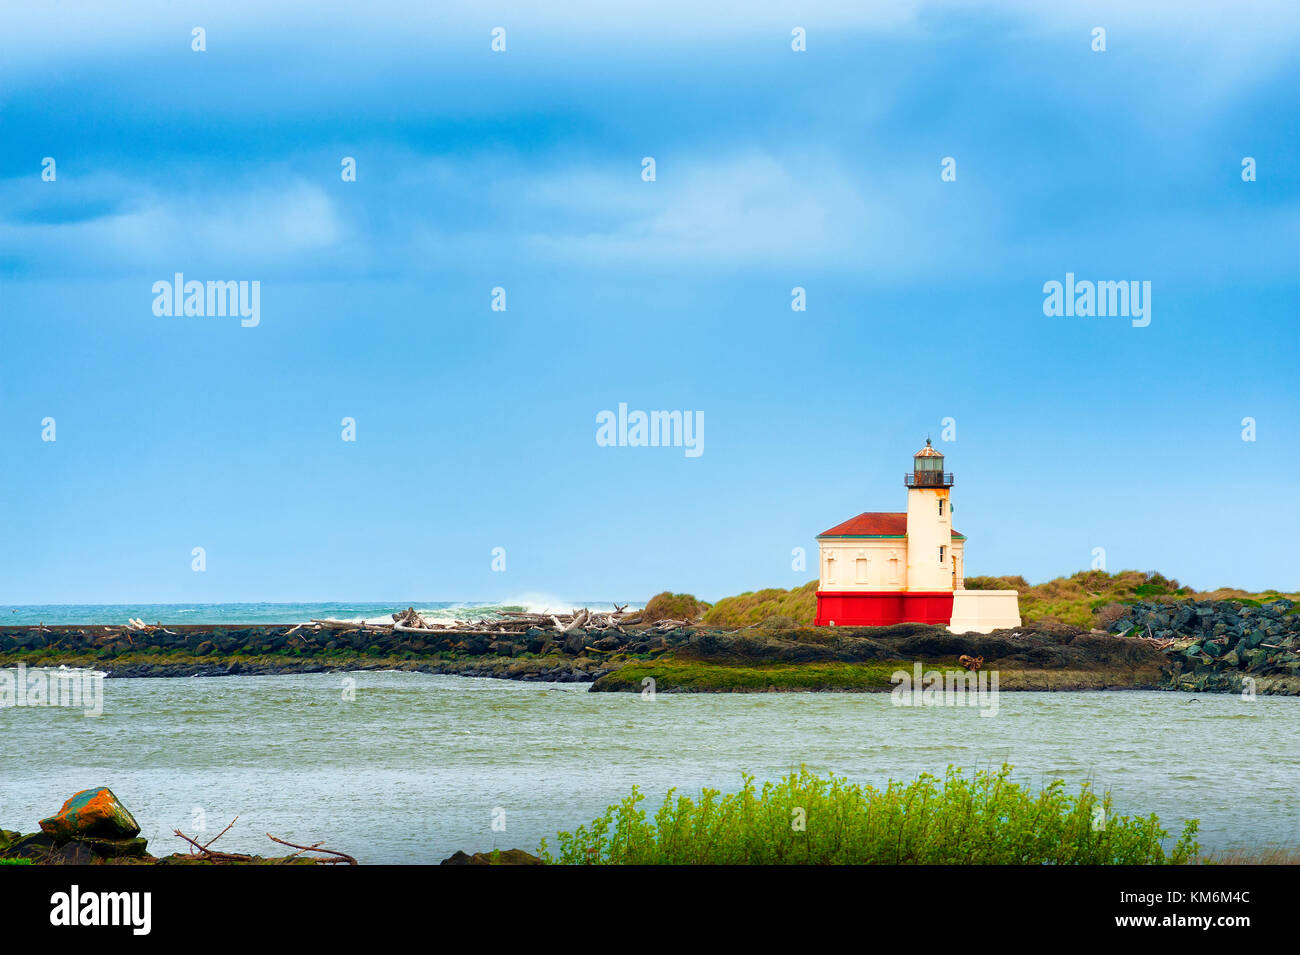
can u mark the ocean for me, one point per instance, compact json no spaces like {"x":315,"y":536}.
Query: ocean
{"x":271,"y":613}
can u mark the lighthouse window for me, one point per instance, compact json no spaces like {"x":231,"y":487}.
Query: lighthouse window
{"x":941,"y":549}
{"x":941,"y":507}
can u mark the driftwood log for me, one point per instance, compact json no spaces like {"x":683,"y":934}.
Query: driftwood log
{"x":206,"y":852}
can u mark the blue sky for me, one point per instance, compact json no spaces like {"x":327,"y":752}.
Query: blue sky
{"x":775,"y":169}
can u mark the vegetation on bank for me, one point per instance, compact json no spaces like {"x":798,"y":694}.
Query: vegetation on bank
{"x":670,"y":673}
{"x":799,"y":606}
{"x":983,"y":818}
{"x":670,"y":606}
{"x":1083,"y":599}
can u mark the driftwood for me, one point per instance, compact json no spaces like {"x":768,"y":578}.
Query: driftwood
{"x":409,"y":618}
{"x":206,"y":852}
{"x":514,"y":622}
{"x":330,"y":624}
{"x":316,"y":847}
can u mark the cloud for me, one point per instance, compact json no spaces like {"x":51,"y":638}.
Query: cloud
{"x":123,"y":224}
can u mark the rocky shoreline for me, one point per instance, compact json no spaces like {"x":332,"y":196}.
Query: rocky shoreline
{"x":1210,"y":646}
{"x":1226,"y":645}
{"x":94,"y":828}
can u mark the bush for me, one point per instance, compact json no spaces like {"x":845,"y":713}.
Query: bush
{"x":799,"y":605}
{"x":805,"y":819}
{"x":669,"y":606}
{"x":996,"y":583}
{"x":1108,"y":614}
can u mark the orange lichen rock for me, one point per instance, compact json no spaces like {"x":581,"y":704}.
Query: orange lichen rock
{"x":96,"y":813}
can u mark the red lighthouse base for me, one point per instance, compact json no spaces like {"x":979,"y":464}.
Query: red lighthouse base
{"x":857,"y":609}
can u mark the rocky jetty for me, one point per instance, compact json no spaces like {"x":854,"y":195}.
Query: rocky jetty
{"x":1171,"y":644}
{"x":1219,"y":644}
{"x":109,"y":643}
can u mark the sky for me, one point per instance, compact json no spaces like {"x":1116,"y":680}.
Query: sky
{"x":523,"y":170}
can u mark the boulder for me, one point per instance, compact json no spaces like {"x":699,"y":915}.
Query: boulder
{"x":91,"y":812}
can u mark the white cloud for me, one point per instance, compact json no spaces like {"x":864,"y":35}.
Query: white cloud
{"x":248,"y":227}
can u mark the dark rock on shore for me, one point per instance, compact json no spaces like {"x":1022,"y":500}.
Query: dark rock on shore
{"x":503,"y":857}
{"x":1057,"y":647}
{"x":1221,"y":644}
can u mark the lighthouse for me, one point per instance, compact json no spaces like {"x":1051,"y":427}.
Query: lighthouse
{"x":929,"y":523}
{"x":882,"y":567}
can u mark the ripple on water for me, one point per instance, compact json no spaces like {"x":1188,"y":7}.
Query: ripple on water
{"x":415,"y":766}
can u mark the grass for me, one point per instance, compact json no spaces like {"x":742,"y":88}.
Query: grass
{"x":1274,"y":856}
{"x":802,"y":819}
{"x":690,"y":675}
{"x":695,"y":675}
{"x":1075,"y":599}
{"x":799,"y":605}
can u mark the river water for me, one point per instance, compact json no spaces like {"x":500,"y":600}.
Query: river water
{"x":419,"y":765}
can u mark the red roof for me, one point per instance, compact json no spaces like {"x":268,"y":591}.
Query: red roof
{"x":874,"y":524}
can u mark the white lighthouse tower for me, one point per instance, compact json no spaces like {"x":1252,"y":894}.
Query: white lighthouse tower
{"x":929,"y":524}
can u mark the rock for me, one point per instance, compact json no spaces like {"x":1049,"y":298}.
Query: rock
{"x":136,"y":848}
{"x":35,"y":845}
{"x":503,"y":857}
{"x":91,"y":812}
{"x":71,"y":853}
{"x":476,"y":644}
{"x":606,"y":644}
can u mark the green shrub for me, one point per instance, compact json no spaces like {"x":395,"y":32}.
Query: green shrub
{"x":668,"y":606}
{"x":983,"y":818}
